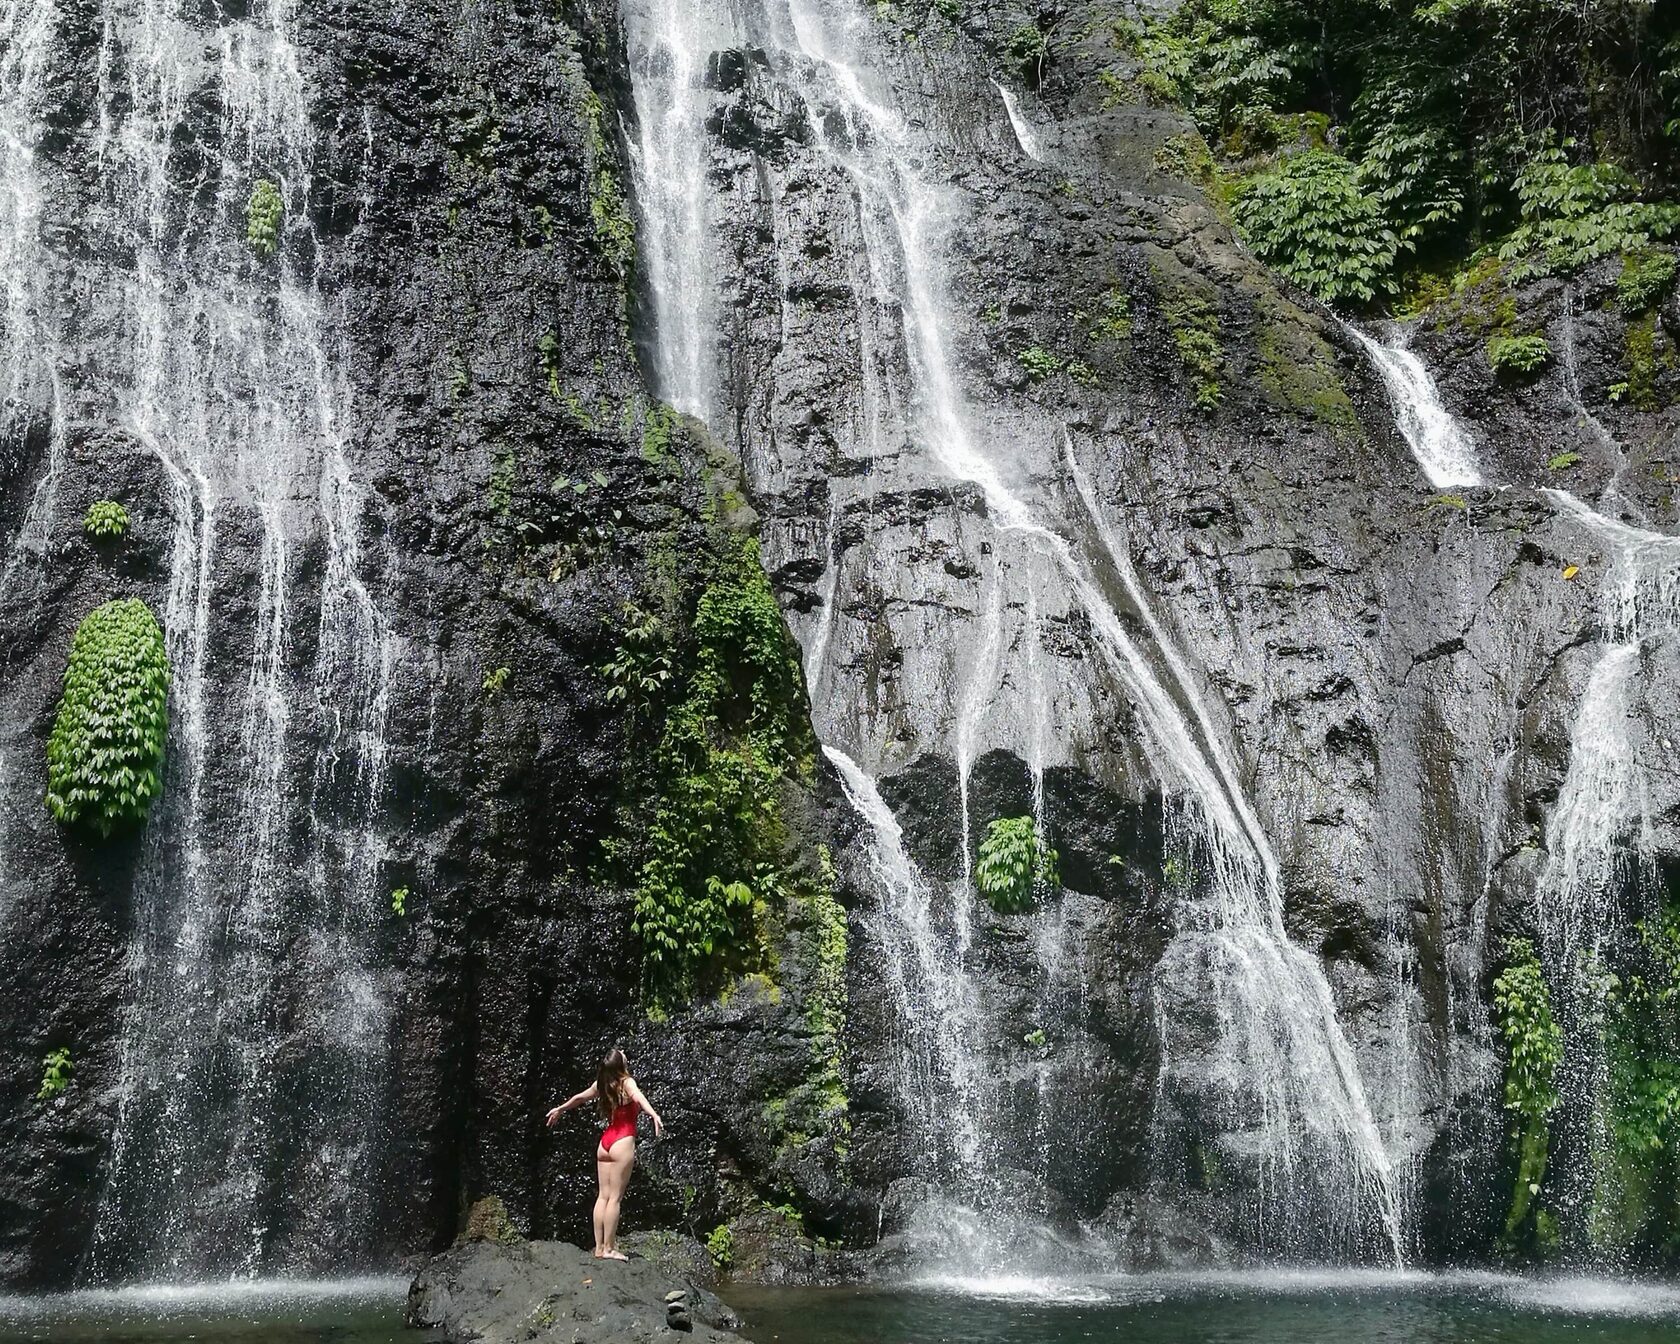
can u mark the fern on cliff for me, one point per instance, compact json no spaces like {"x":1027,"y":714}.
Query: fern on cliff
{"x":105,"y":755}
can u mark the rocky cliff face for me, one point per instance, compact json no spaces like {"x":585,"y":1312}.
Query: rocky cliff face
{"x":1075,"y":511}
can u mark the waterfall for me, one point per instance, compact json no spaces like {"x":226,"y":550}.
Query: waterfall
{"x":255,"y":902}
{"x":1439,"y":443}
{"x":1278,"y":1070}
{"x":1025,"y":135}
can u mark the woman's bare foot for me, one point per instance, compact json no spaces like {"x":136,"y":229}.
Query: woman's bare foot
{"x":614,"y":1255}
{"x":600,"y":1254}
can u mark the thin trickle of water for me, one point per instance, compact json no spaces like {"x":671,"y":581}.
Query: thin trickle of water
{"x":931,"y":989}
{"x":1442,"y":447}
{"x":1572,"y":376}
{"x":1025,"y":135}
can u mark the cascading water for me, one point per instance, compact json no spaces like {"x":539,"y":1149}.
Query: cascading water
{"x":1440,"y":444}
{"x":1599,"y":831}
{"x":256,"y":912}
{"x":1277,"y":1076}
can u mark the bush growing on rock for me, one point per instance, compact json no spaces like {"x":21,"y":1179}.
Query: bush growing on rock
{"x":1518,"y":355}
{"x":105,"y":755}
{"x":1310,"y":220}
{"x":104,"y":519}
{"x":1013,"y":863}
{"x":263,"y":213}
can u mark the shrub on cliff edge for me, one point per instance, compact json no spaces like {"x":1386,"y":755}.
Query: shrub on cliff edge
{"x":105,"y":755}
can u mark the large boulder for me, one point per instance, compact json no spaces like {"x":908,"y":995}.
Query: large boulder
{"x":494,"y":1292}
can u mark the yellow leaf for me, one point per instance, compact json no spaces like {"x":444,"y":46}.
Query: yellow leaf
{"x":1571,"y":571}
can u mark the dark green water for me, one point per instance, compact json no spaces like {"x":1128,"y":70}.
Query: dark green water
{"x":349,"y":1311}
{"x":1279,"y":1308}
{"x":1333,"y":1307}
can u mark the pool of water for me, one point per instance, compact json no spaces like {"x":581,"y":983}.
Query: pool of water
{"x":1251,"y":1308}
{"x":1276,"y":1307}
{"x":332,"y":1311}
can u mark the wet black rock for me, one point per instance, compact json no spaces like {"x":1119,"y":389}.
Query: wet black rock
{"x":490,"y":1293}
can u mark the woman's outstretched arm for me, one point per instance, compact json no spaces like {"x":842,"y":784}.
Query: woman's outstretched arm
{"x":572,"y":1103}
{"x":637,"y":1096}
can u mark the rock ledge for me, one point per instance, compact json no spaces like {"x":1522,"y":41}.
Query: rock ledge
{"x":487,"y":1292}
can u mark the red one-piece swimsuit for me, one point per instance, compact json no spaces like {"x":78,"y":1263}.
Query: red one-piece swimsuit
{"x":623,"y":1125}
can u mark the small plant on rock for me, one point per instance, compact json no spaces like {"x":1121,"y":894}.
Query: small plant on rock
{"x":399,"y":902}
{"x":55,"y":1074}
{"x":1038,"y":363}
{"x":1645,"y":278}
{"x":1013,"y":863}
{"x":263,"y":213}
{"x":720,"y":1245}
{"x":105,"y":519}
{"x":1522,"y":1003}
{"x":105,"y":755}
{"x":495,"y":681}
{"x":1518,"y":355}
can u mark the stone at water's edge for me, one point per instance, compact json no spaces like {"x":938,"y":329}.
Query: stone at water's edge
{"x":490,"y":1293}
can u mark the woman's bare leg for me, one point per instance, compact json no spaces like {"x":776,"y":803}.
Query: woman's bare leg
{"x":615,"y":1180}
{"x":603,"y":1173}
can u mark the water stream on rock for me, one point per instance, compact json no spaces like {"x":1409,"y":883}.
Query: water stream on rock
{"x":1598,"y":832}
{"x":253,"y":1044}
{"x":1247,"y":1030}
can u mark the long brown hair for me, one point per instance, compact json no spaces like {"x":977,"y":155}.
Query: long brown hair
{"x":610,"y":1091}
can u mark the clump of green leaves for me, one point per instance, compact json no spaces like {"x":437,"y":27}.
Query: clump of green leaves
{"x":615,"y":230}
{"x":1518,"y":355}
{"x":105,"y":519}
{"x":55,"y":1074}
{"x":1014,"y":864}
{"x":263,"y":214}
{"x":1114,"y":320}
{"x":105,"y":755}
{"x":720,"y":1245}
{"x":717,"y":703}
{"x":1310,"y":220}
{"x":1038,"y":363}
{"x":1194,"y":323}
{"x":1646,"y":276}
{"x":495,"y":681}
{"x":399,"y":902}
{"x":1533,"y":1040}
{"x":1030,"y":49}
{"x":1575,"y":213}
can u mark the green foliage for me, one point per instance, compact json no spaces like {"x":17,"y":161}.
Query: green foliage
{"x":1454,"y":117}
{"x":720,"y":1245}
{"x":1562,"y":461}
{"x":55,"y":1074}
{"x":1194,"y":324}
{"x":399,"y":902}
{"x":1646,"y":277}
{"x":1114,"y":321}
{"x":1575,"y":213}
{"x":1518,"y":355}
{"x":615,"y":230}
{"x":263,"y":215}
{"x":1644,"y":365}
{"x":1039,"y":363}
{"x":1310,"y":220}
{"x":1036,"y":1039}
{"x":717,"y":710}
{"x":1029,"y":48}
{"x":495,"y":681}
{"x":1014,"y":863}
{"x":105,"y":755}
{"x":105,"y":518}
{"x":1533,"y":1040}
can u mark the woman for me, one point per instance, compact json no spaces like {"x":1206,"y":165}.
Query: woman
{"x":619,"y":1101}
